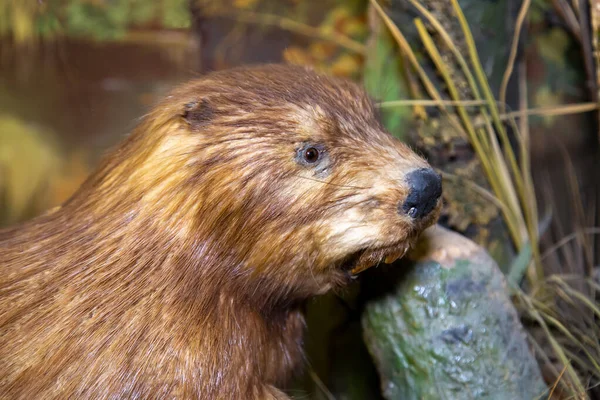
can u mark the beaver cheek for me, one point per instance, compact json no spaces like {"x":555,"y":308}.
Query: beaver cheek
{"x":351,"y":233}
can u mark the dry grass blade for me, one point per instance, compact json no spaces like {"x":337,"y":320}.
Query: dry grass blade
{"x":480,"y":147}
{"x":553,"y":110}
{"x":407,"y":51}
{"x":566,"y":239}
{"x":567,"y":109}
{"x":490,"y":164}
{"x":474,"y":56}
{"x":432,"y":103}
{"x":556,"y":381}
{"x":579,"y":212}
{"x":464,"y":67}
{"x":568,"y":15}
{"x":412,"y":58}
{"x":594,"y":12}
{"x":476,"y":188}
{"x":513,"y":52}
{"x":576,"y":294}
{"x":313,"y":375}
{"x":522,"y":186}
{"x":583,"y":334}
{"x":568,"y":334}
{"x":573,"y":384}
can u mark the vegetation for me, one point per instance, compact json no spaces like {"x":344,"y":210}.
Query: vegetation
{"x":28,"y":21}
{"x":428,"y":74}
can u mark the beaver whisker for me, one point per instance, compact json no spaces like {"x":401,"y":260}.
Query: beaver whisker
{"x":341,"y":203}
{"x":345,"y":231}
{"x":332,"y":184}
{"x":312,"y":273}
{"x":366,"y":201}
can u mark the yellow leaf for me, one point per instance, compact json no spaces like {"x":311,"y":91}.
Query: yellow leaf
{"x":337,"y":15}
{"x":244,"y":4}
{"x":297,"y":55}
{"x":346,"y":65}
{"x":22,"y":22}
{"x":354,"y":27}
{"x":321,"y":50}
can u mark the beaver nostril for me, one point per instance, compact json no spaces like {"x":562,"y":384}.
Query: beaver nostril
{"x":425,"y":190}
{"x":412,"y":212}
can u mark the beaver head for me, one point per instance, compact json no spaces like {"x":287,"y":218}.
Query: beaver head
{"x":179,"y":265}
{"x":279,"y":178}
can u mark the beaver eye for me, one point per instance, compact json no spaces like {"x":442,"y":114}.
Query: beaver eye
{"x":314,"y":156}
{"x":311,"y":155}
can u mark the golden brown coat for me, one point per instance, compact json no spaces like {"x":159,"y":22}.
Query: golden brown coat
{"x":178,"y":269}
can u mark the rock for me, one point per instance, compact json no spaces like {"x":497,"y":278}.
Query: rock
{"x":447,"y":329}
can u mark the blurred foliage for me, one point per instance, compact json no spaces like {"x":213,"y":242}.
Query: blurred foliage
{"x":384,"y":79}
{"x":325,"y":55}
{"x":28,"y":161}
{"x":329,"y":35}
{"x":34,"y":174}
{"x":30,"y":20}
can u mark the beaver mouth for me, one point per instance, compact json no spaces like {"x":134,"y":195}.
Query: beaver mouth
{"x":366,"y":258}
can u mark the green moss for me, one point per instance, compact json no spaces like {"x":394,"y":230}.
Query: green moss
{"x":451,"y":333}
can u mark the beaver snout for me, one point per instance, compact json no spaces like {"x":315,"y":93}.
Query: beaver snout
{"x":425,"y":190}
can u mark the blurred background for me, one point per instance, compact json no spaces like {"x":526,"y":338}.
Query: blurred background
{"x":75,"y":76}
{"x":503,"y":101}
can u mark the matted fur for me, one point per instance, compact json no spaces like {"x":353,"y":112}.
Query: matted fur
{"x":178,"y":269}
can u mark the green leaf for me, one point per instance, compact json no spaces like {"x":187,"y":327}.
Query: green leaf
{"x":143,"y":11}
{"x":384,"y":80}
{"x":96,"y":21}
{"x":176,"y":14}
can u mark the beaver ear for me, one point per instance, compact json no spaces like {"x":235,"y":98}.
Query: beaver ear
{"x":198,"y":113}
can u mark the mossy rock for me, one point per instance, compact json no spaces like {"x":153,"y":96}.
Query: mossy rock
{"x":448,"y":330}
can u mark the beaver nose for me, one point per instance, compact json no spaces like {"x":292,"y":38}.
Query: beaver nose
{"x":425,"y":189}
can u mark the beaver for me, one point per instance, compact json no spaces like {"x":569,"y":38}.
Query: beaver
{"x":178,"y":270}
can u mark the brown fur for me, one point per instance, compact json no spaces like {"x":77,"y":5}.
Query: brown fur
{"x":178,"y":269}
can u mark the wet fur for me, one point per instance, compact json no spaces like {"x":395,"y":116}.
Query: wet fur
{"x":178,"y":270}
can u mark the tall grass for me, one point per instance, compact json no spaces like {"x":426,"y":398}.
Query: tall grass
{"x":564,"y":316}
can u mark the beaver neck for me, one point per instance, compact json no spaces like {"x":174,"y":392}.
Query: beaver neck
{"x":122,"y":271}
